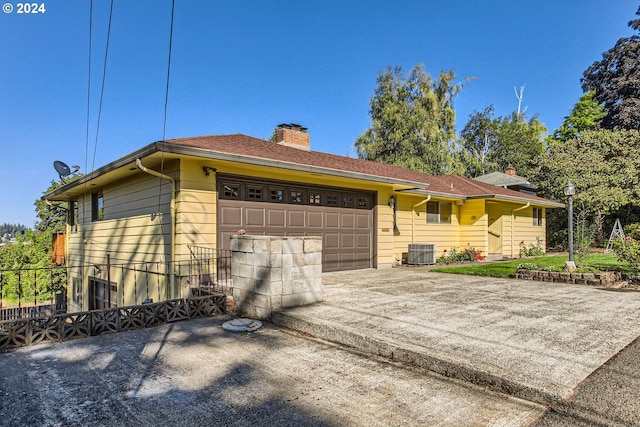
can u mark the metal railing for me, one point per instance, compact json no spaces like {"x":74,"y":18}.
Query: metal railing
{"x":36,"y":292}
{"x":210,"y":270}
{"x":32,"y":292}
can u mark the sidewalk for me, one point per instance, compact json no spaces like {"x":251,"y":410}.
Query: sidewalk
{"x":535,"y":341}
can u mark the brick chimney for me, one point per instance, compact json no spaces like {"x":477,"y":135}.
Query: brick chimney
{"x":510,"y":170}
{"x":293,"y":135}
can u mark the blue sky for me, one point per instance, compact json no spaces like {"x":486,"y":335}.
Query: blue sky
{"x":246,"y":66}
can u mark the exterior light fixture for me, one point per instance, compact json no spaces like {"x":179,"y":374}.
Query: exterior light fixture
{"x":208,"y":169}
{"x":392,"y":202}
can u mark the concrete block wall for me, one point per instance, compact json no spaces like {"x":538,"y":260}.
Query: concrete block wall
{"x":275,"y":272}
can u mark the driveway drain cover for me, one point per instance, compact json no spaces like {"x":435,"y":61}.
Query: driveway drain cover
{"x":241,"y":325}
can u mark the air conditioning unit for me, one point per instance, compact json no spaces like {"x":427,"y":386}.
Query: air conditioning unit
{"x":421,"y":254}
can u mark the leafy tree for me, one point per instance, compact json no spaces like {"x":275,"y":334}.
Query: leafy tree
{"x":413,"y":121}
{"x":616,"y":81}
{"x":604,"y":167}
{"x":492,"y":144}
{"x":52,"y":215}
{"x":586,"y":114}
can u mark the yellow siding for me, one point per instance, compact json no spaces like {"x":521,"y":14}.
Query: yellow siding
{"x":521,"y":229}
{"x":473,"y":225}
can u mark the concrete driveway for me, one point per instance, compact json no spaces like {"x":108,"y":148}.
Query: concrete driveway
{"x":194,"y":373}
{"x":506,"y":350}
{"x":533,"y":340}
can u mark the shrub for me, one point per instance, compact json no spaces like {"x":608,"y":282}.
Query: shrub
{"x":531,"y":250}
{"x":467,"y":254}
{"x":527,"y":266}
{"x":633,"y":231}
{"x":628,"y":250}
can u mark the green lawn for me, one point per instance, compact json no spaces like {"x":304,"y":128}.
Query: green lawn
{"x":508,"y":268}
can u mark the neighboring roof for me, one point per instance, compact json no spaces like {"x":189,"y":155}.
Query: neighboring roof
{"x":505,"y":180}
{"x":249,"y":150}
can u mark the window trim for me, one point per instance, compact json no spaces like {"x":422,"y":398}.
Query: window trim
{"x":439,"y":212}
{"x":97,"y":206}
{"x":538,"y":217}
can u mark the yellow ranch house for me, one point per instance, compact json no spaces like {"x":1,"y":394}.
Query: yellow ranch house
{"x":157,"y":202}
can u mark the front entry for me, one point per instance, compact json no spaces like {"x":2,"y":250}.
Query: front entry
{"x":494,"y":230}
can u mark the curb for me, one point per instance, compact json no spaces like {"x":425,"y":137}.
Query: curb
{"x":348,"y":337}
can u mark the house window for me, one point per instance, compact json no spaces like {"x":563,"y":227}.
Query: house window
{"x":537,"y":216}
{"x":97,"y":206}
{"x":276,"y":195}
{"x":296,"y":197}
{"x":73,"y":215}
{"x":438,"y":213}
{"x":254,"y":193}
{"x":77,"y":291}
{"x":231,"y":191}
{"x":314,"y":198}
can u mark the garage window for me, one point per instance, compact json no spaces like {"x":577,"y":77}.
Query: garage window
{"x":254,"y":193}
{"x":296,"y":197}
{"x":347,"y":201}
{"x":332,"y":200}
{"x":231,"y":191}
{"x":276,"y":195}
{"x":314,"y":198}
{"x":363,"y":202}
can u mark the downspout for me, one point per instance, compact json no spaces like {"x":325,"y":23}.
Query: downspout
{"x":172,"y":210}
{"x":413,"y":220}
{"x":513,"y":219}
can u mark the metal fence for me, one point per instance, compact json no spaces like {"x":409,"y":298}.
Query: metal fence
{"x":31,"y":292}
{"x":26,"y":293}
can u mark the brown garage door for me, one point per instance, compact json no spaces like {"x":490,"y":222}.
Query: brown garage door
{"x":343,"y":218}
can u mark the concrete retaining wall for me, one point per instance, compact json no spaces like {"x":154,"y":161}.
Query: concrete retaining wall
{"x":274,"y":272}
{"x":594,"y":279}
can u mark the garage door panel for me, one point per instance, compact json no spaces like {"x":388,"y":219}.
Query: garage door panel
{"x":315,"y":219}
{"x":363,"y":241}
{"x":276,"y":218}
{"x":363,"y":222}
{"x":296,"y":218}
{"x":332,"y":220}
{"x":254,"y":217}
{"x":347,"y":241}
{"x":347,"y":220}
{"x":331,"y":241}
{"x":231,"y":215}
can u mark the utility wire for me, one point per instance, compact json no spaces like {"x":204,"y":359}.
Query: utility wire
{"x":166,"y":101}
{"x":104,"y":77}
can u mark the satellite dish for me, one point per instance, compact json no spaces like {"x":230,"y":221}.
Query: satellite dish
{"x":64,"y":170}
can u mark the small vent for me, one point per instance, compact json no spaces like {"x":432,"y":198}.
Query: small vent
{"x":421,"y":254}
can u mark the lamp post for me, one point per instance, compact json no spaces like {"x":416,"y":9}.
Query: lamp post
{"x":570,"y":191}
